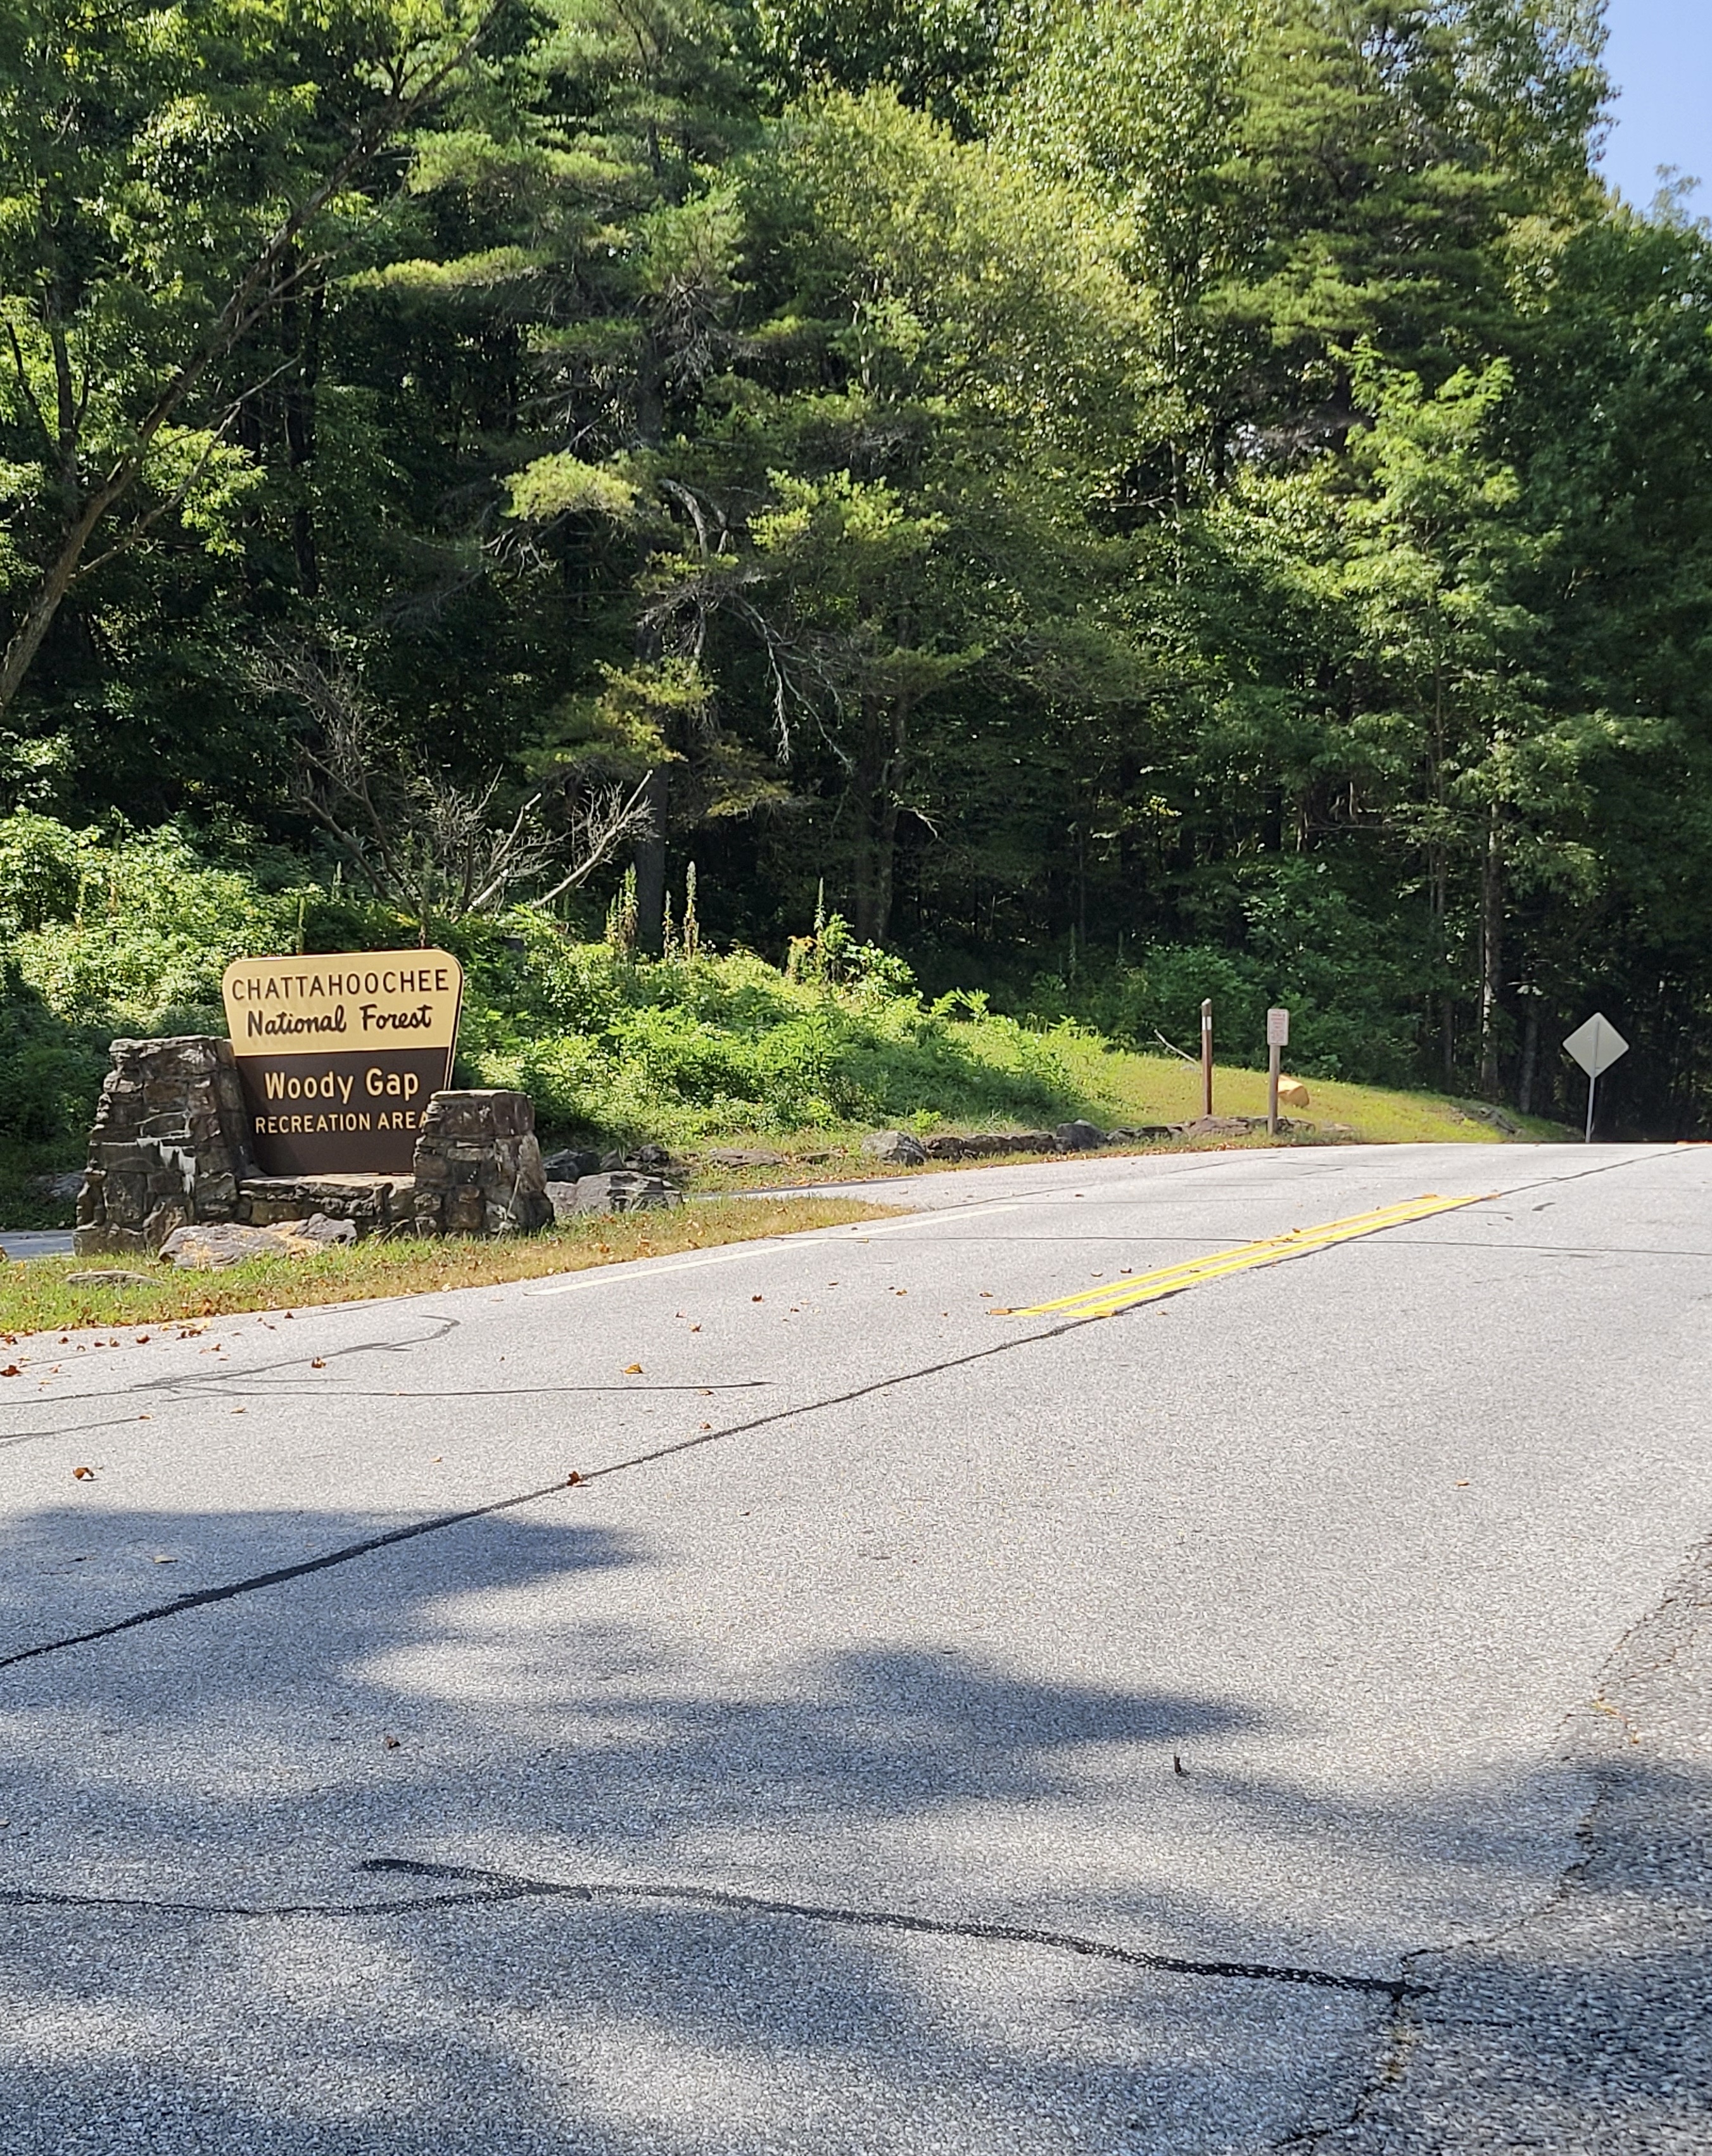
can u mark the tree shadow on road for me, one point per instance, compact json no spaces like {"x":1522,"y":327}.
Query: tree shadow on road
{"x":199,"y":1954}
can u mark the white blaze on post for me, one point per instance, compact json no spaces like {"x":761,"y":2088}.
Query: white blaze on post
{"x":1596,"y":1045}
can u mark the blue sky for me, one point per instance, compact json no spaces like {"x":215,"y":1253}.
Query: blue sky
{"x":1660,"y":58}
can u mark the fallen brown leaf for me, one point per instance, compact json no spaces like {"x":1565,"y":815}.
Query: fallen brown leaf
{"x":633,"y":1369}
{"x":83,"y":1474}
{"x":572,"y":1479}
{"x":392,"y":1744}
{"x":317,"y":1361}
{"x":11,"y":1370}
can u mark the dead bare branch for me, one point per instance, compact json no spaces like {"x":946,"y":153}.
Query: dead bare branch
{"x":420,"y":840}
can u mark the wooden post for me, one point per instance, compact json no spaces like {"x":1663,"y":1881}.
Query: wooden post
{"x":1207,"y":1058}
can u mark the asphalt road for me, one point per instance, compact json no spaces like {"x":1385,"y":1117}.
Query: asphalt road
{"x":1277,"y":1716}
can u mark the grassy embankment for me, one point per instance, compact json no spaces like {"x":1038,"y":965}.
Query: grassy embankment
{"x":37,"y":1297}
{"x":1114,"y":1088}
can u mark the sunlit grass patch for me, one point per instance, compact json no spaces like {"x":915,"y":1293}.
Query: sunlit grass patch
{"x":38,"y":1298}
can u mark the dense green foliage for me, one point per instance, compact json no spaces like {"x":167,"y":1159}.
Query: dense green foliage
{"x":1130,"y":498}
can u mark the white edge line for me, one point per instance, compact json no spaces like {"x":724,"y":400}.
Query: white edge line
{"x":858,"y":1231}
{"x":603,"y":1276}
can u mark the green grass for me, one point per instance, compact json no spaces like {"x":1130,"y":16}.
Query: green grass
{"x":1127,"y":1088}
{"x":38,"y":1298}
{"x":1115,"y":1087}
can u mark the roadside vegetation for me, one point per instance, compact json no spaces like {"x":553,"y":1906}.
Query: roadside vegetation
{"x":1125,"y":500}
{"x":129,"y":936}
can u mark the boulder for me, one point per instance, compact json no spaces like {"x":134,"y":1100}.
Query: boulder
{"x":211,"y":1245}
{"x":568,"y":1164}
{"x":650,"y":1159}
{"x":741,"y":1157}
{"x":208,"y":1246}
{"x":983,"y":1144}
{"x":1220,"y":1127}
{"x":1292,"y":1093}
{"x":1140,"y":1134}
{"x":615,"y":1190}
{"x":899,"y":1148}
{"x":945,"y":1146}
{"x":319,"y":1232}
{"x":1078,"y":1136}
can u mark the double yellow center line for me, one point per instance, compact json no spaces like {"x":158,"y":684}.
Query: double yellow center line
{"x":1106,"y":1300}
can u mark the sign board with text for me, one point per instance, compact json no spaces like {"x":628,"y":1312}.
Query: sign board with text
{"x":338,"y":1054}
{"x":1277,"y":1029}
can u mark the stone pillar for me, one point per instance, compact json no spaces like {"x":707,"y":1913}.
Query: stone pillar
{"x":167,"y":1146}
{"x":477,"y":1168}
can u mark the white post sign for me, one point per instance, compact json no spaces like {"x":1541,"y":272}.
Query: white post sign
{"x":1596,"y":1045}
{"x":1278,"y":1039}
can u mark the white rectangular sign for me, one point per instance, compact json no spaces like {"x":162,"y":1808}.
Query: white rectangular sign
{"x":1277,"y":1029}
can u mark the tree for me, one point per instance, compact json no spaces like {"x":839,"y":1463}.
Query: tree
{"x":169,"y":182}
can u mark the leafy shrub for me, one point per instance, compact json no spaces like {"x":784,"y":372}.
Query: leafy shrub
{"x":132,"y":935}
{"x":50,"y":1072}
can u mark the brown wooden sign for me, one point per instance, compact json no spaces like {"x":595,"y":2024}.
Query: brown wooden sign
{"x":338,"y":1054}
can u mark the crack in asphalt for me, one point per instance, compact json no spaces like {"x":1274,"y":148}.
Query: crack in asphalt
{"x":195,"y":1389}
{"x":482,"y":1888}
{"x":1405,"y":2034}
{"x":348,"y":1552}
{"x":436,"y":1523}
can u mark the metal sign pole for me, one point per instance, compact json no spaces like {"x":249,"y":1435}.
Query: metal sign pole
{"x":1596,"y":1045}
{"x":1207,"y":1058}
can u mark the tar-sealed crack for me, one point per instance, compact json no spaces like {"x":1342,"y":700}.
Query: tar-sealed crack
{"x":471,"y":1886}
{"x":439,"y":1522}
{"x":1578,"y":2038}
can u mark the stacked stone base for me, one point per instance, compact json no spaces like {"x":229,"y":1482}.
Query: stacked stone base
{"x":377,"y":1204}
{"x":478,"y":1167}
{"x":169,"y":1151}
{"x":167,"y":1147}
